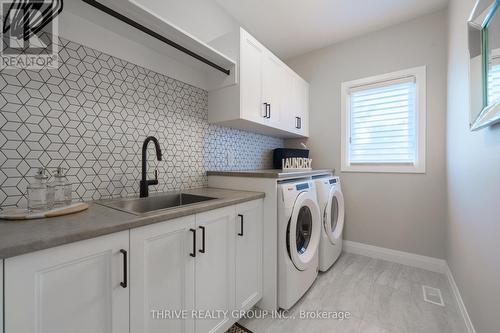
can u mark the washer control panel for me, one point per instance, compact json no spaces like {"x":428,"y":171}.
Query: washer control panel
{"x":302,"y":187}
{"x":289,"y":192}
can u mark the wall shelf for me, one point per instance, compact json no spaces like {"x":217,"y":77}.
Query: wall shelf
{"x":189,"y":47}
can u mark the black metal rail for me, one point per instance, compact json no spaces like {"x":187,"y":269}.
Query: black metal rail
{"x":153,"y":34}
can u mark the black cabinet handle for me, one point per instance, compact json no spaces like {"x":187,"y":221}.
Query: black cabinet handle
{"x":202,"y":250}
{"x":241,"y":225}
{"x":193,"y":254}
{"x":124,"y":284}
{"x":266,"y":109}
{"x":269,"y":115}
{"x":298,"y":123}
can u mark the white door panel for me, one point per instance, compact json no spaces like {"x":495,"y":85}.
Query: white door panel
{"x":248,"y":254}
{"x":252,"y":106}
{"x":272,"y":88}
{"x":215,"y":267}
{"x":162,"y":276}
{"x":71,"y":288}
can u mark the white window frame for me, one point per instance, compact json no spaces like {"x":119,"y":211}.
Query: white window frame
{"x":419,"y":73}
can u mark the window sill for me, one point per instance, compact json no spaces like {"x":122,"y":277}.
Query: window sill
{"x":383,"y":168}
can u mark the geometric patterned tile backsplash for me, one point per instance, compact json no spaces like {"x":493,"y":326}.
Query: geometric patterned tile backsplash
{"x":92,"y":115}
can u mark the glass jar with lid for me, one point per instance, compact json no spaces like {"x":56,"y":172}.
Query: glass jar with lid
{"x":61,"y":189}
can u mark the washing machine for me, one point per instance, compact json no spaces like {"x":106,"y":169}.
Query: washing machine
{"x":299,"y":231}
{"x":331,"y":204}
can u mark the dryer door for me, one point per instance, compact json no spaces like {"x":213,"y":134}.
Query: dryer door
{"x":303,"y":232}
{"x":334,"y":215}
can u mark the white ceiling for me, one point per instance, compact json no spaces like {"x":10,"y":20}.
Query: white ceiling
{"x":293,"y":27}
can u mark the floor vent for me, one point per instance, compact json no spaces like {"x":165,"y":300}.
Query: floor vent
{"x":432,"y":295}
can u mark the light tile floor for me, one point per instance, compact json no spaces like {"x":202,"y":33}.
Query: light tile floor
{"x":382,"y":297}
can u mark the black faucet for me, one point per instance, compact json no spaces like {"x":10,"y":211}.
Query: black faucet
{"x":144,"y":191}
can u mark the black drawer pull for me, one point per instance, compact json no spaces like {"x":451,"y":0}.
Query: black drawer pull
{"x":124,"y":284}
{"x":193,"y":254}
{"x":202,"y":250}
{"x":241,"y":225}
{"x":266,"y":110}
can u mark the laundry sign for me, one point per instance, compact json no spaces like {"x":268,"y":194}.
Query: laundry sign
{"x":296,"y":163}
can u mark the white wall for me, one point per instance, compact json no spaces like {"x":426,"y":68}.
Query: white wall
{"x":405,"y":212}
{"x":473,"y":235}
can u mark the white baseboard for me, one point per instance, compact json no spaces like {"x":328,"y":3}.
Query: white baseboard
{"x":460,"y":302}
{"x":400,"y":257}
{"x":414,"y":260}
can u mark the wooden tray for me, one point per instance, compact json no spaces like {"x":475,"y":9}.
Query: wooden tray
{"x":23,"y":214}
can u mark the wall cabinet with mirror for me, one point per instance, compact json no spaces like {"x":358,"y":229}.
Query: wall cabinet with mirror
{"x":484,"y":65}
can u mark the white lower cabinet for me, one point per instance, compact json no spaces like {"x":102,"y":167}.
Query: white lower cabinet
{"x":207,"y":264}
{"x":79,"y":287}
{"x":248,"y":254}
{"x":162,"y":277}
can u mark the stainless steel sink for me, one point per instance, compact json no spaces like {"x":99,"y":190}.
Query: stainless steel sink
{"x":155,"y":203}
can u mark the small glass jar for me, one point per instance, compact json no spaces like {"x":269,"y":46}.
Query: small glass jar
{"x":60,"y":189}
{"x":38,"y":197}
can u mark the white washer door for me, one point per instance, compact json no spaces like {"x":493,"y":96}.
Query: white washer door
{"x":303,"y":232}
{"x":334,"y":215}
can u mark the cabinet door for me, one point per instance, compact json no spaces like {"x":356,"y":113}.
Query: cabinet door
{"x":215,"y":267}
{"x":248,"y":275}
{"x":301,"y":101}
{"x":76,"y":288}
{"x":273,"y":78}
{"x":295,"y":113}
{"x":162,"y":276}
{"x":251,"y":56}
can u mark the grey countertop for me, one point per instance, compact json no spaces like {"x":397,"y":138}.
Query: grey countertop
{"x":271,"y":173}
{"x":19,"y":237}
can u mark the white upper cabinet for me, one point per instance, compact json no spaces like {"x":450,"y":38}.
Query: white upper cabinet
{"x":269,"y":97}
{"x":79,"y":287}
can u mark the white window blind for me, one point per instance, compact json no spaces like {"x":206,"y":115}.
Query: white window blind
{"x":382,"y":119}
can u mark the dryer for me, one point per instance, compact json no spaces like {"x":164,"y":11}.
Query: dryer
{"x":299,"y":231}
{"x":331,"y":204}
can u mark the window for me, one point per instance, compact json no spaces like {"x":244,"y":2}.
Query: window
{"x":494,"y":77}
{"x":383,"y":123}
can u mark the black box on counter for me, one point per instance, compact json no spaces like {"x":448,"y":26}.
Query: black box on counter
{"x":281,"y":153}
